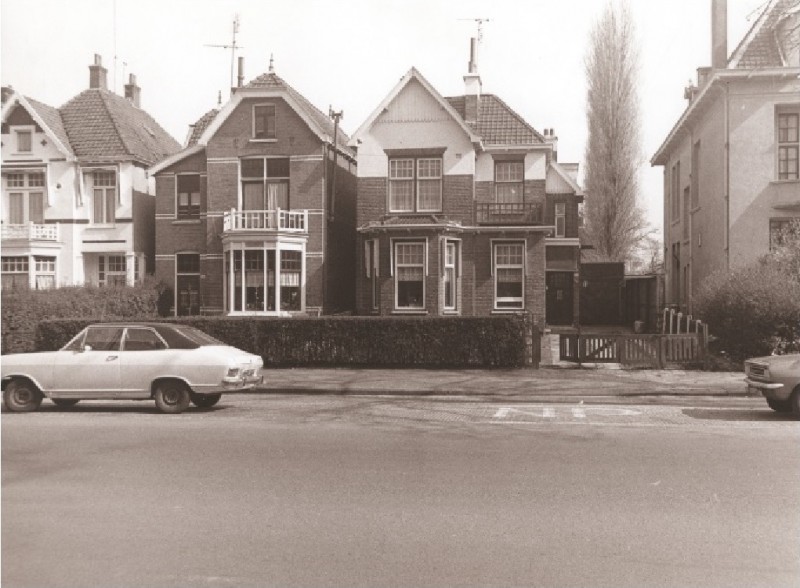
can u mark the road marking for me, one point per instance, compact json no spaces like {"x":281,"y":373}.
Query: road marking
{"x":576,"y":412}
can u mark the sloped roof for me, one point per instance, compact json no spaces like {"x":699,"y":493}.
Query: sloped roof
{"x":272,"y":81}
{"x":52,"y":118}
{"x":196,"y":130}
{"x":106,"y":127}
{"x":760,"y":47}
{"x":497,"y":123}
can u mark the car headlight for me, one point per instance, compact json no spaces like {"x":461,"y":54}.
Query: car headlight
{"x":233,"y":372}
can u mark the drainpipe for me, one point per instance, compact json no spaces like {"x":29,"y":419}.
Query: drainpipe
{"x":726,"y":181}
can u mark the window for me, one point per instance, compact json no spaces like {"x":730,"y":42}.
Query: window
{"x":509,"y":182}
{"x":780,"y":229}
{"x":187,"y":282}
{"x":686,"y":204}
{"x":15,"y":273}
{"x":696,"y":175}
{"x":788,"y":146}
{"x":103,"y":338}
{"x":409,"y":275}
{"x":104,"y":195}
{"x":509,"y":272}
{"x":415,"y":185}
{"x":264,"y":121}
{"x":451,"y":274}
{"x":26,"y":197}
{"x":188,"y":196}
{"x":561,"y":219}
{"x":372,"y":265}
{"x":45,"y":277}
{"x":291,"y":268}
{"x":265,"y":187}
{"x":676,"y":191}
{"x":24,"y":141}
{"x":137,"y":339}
{"x":111,"y":270}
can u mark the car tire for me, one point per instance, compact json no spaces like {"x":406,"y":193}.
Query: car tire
{"x":794,"y":401}
{"x":65,"y":402}
{"x":779,"y":405}
{"x":21,"y":396}
{"x":171,"y":397}
{"x":204,"y":400}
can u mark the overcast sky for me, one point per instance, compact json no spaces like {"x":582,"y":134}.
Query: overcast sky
{"x":350,"y":53}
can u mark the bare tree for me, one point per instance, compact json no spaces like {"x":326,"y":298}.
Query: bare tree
{"x":614,"y":222}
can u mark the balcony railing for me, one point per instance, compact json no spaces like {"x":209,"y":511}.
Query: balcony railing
{"x":30,"y":232}
{"x":266,"y":220}
{"x":508,"y":213}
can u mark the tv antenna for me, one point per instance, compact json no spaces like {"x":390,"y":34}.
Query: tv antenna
{"x":479,"y":22}
{"x":233,"y":46}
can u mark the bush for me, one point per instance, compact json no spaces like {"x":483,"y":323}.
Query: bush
{"x":23,"y":309}
{"x":752,"y":311}
{"x":352,"y":341}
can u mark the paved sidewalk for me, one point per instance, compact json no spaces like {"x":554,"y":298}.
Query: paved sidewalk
{"x":520,"y":383}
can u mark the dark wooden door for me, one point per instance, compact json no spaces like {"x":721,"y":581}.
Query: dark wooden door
{"x":559,"y":298}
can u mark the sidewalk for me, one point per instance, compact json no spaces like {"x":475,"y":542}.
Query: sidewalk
{"x":555,"y":378}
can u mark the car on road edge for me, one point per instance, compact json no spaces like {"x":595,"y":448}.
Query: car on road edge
{"x":777,"y":377}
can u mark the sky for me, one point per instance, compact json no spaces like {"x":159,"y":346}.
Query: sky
{"x":349,"y":54}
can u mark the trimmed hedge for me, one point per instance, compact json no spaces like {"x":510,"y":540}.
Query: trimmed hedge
{"x":440,"y":342}
{"x":23,"y":309}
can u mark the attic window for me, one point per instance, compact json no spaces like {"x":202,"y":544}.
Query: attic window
{"x":24,"y":141}
{"x":264,"y":121}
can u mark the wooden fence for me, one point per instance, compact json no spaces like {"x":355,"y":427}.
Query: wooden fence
{"x":654,"y":351}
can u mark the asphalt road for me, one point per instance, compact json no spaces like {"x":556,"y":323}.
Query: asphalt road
{"x":381,"y":491}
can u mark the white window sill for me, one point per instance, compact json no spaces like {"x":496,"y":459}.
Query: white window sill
{"x":410,"y":311}
{"x":785,"y":181}
{"x":263,"y":140}
{"x":186,"y":221}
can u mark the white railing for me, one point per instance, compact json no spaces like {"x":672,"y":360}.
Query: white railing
{"x":31,"y":232}
{"x":266,"y":220}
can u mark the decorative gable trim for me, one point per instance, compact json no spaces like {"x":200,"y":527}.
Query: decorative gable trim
{"x":412,"y":74}
{"x":19,"y":99}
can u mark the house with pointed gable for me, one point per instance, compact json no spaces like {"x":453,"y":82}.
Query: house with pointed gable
{"x":730,"y":162}
{"x":256,"y":215}
{"x":77,"y":204}
{"x":463,"y":208}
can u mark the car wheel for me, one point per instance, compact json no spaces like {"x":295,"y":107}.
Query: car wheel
{"x":65,"y":402}
{"x":204,"y":400}
{"x":171,"y":397}
{"x":21,"y":396}
{"x":794,"y":401}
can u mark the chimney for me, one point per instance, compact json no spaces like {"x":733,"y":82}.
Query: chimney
{"x":133,"y":92}
{"x":240,"y":78}
{"x":98,"y":74}
{"x":719,"y":34}
{"x":551,"y":139}
{"x":472,"y":85}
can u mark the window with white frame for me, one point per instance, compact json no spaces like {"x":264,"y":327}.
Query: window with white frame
{"x":45,"y":268}
{"x":788,"y":145}
{"x":264,"y":121}
{"x":104,"y":196}
{"x":509,"y":275}
{"x":561,"y":219}
{"x":509,"y":182}
{"x":291,"y":274}
{"x":676,"y":191}
{"x":15,"y":272}
{"x":265,"y":187}
{"x":451,"y":267}
{"x":26,"y":197}
{"x":111,"y":270}
{"x":409,"y":275}
{"x":188,"y":188}
{"x":415,"y":185}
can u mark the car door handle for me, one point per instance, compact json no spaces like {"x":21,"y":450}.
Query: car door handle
{"x":112,"y":357}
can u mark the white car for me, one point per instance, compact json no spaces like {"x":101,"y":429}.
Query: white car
{"x":173,"y":364}
{"x":777,"y":377}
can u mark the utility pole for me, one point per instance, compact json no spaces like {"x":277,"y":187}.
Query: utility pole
{"x":233,"y":46}
{"x":336,"y":116}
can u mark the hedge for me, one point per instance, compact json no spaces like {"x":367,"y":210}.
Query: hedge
{"x":451,"y":342}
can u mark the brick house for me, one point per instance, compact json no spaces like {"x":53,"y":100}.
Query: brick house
{"x":77,"y":204}
{"x":255,"y":216}
{"x":731,"y":160}
{"x":462,"y":208}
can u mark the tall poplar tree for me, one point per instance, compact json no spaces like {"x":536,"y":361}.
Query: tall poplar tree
{"x":614,"y":221}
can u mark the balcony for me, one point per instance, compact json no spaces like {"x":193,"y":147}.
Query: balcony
{"x":508,"y":213}
{"x":254,"y":221}
{"x":30,"y":232}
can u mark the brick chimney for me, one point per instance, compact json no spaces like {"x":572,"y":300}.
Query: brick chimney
{"x":133,"y":92}
{"x":472,"y":85}
{"x":98,"y":74}
{"x":719,"y":34}
{"x":551,"y":138}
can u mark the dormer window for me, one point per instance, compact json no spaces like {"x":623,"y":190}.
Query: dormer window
{"x":24,"y":141}
{"x":264,"y":121}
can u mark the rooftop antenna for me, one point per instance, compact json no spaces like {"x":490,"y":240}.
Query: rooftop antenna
{"x":233,"y":46}
{"x":479,"y":22}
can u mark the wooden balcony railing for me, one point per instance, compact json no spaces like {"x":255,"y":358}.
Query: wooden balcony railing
{"x":30,"y":232}
{"x":266,"y":220}
{"x":508,"y":213}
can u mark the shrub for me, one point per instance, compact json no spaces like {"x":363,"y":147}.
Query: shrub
{"x":23,"y":309}
{"x":352,"y":341}
{"x":752,"y":311}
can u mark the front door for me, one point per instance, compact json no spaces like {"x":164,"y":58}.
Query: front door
{"x":559,"y":298}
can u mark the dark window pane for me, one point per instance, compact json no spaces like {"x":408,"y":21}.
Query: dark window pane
{"x":278,"y":168}
{"x":253,"y":168}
